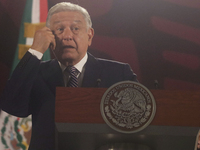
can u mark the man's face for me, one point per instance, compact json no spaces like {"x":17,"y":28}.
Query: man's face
{"x":72,"y":36}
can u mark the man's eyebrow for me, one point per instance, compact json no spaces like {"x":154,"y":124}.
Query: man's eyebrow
{"x":75,"y":21}
{"x":78,"y":21}
{"x":56,"y":22}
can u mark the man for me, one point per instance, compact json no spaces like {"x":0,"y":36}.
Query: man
{"x":31,"y":89}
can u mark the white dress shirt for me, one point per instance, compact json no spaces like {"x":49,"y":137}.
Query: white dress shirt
{"x":80,"y":66}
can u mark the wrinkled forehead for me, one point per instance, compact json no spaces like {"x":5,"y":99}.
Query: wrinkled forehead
{"x":67,"y":16}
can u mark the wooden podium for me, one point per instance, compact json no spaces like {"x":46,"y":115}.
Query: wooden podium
{"x":80,"y":126}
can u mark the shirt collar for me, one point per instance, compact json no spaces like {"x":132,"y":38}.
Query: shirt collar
{"x":78,"y":66}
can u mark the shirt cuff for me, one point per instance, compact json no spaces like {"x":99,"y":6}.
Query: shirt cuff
{"x":36,"y":53}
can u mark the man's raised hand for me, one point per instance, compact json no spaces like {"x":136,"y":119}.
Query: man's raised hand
{"x":43,"y":39}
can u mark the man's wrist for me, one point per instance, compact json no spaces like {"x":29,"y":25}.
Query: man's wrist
{"x":36,"y":53}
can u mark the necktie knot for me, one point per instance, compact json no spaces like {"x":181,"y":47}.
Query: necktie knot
{"x":73,"y":81}
{"x":72,"y":70}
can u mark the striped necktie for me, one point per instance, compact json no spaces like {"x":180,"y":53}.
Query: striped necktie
{"x":73,"y":81}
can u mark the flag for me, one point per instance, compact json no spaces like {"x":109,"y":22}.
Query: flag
{"x":15,"y":132}
{"x":34,"y":18}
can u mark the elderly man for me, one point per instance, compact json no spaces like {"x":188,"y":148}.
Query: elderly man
{"x":31,"y":89}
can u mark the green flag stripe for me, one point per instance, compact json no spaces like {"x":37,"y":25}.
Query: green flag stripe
{"x":21,"y":40}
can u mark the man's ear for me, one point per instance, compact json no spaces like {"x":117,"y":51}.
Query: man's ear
{"x":90,"y":36}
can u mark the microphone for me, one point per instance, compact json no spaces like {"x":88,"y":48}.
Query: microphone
{"x":98,"y":82}
{"x":156,"y":84}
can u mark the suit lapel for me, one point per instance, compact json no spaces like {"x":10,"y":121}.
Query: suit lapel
{"x":92,"y":73}
{"x":52,"y":75}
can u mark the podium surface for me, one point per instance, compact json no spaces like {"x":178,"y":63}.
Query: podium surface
{"x":80,"y":125}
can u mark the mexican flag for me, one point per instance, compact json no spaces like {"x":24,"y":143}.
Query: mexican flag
{"x":15,"y":132}
{"x":34,"y":18}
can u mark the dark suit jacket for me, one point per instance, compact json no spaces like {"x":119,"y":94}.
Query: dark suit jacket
{"x":31,"y":90}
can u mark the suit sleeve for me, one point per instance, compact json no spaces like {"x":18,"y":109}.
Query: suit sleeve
{"x":15,"y":99}
{"x":129,"y":74}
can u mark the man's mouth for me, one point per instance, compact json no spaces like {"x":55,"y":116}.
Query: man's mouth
{"x":68,"y":46}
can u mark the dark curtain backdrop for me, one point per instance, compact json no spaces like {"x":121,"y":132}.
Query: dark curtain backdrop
{"x":160,"y":39}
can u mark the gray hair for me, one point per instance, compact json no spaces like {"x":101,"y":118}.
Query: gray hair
{"x":66,"y":6}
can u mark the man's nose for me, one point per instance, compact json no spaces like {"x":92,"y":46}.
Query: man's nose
{"x":67,"y":34}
